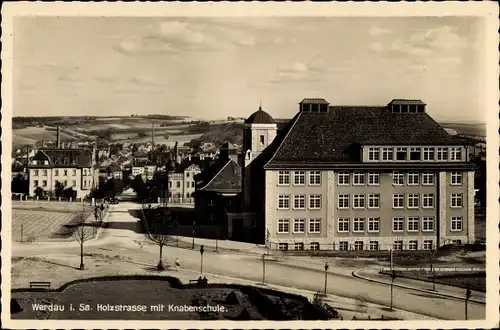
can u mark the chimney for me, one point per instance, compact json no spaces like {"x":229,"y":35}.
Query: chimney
{"x":58,"y":138}
{"x":153,"y":134}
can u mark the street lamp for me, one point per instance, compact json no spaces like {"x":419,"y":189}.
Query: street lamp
{"x":202,"y":250}
{"x":263,"y":268}
{"x":468,"y":293}
{"x":326,"y":274}
{"x":393,"y":277}
{"x":194,"y":222}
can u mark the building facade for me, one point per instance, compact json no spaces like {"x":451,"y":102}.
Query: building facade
{"x":361,"y":178}
{"x":73,"y":168}
{"x":181,"y":184}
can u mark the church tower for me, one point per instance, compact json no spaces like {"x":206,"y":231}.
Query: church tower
{"x":259,"y":131}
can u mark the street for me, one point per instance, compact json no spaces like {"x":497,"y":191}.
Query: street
{"x":124,"y":236}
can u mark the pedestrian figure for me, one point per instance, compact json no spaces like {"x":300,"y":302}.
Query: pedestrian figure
{"x":177,"y":264}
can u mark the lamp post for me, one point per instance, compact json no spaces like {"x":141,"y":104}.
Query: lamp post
{"x":393,"y":276}
{"x":326,"y":275}
{"x":468,"y":293}
{"x":202,"y":250}
{"x":263,"y":268}
{"x":194,"y":222}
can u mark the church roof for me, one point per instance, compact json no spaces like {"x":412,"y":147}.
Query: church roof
{"x":260,"y":117}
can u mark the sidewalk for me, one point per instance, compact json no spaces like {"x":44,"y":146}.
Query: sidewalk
{"x":372,"y":275}
{"x":347,"y":307}
{"x":225,"y":244}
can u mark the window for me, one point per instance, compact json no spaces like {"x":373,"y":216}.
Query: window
{"x":373,"y":224}
{"x":387,"y":154}
{"x":358,"y":178}
{"x":428,"y":201}
{"x":65,"y":183}
{"x":299,"y":225}
{"x":56,"y":172}
{"x":442,"y":154}
{"x":170,"y":184}
{"x":413,"y":201}
{"x":35,"y":183}
{"x":283,"y":246}
{"x":373,"y":201}
{"x":401,"y":153}
{"x":35,"y":172}
{"x":427,"y":223}
{"x":178,"y":184}
{"x":428,"y":153}
{"x":358,"y":225}
{"x":427,"y":179}
{"x":74,"y":172}
{"x":44,"y":172}
{"x":456,"y":178}
{"x":427,"y":244}
{"x":456,"y":200}
{"x":44,"y":183}
{"x":314,"y":178}
{"x":343,"y":225}
{"x":397,"y":224}
{"x":413,"y":179}
{"x":343,"y":201}
{"x":299,"y":202}
{"x":261,"y":139}
{"x":398,"y":245}
{"x":457,"y":242}
{"x":298,"y":246}
{"x":413,"y":223}
{"x":283,"y":178}
{"x":359,"y":201}
{"x":314,"y":246}
{"x":65,"y":172}
{"x":413,"y":245}
{"x":343,"y":246}
{"x":283,"y":226}
{"x":343,"y":178}
{"x":299,"y":178}
{"x":315,"y":226}
{"x":456,"y":224}
{"x":314,"y":202}
{"x":455,"y":154}
{"x":398,"y":201}
{"x":73,"y":183}
{"x":373,"y":179}
{"x":373,"y":153}
{"x":415,"y":153}
{"x":283,"y":202}
{"x":358,"y":245}
{"x":398,"y":178}
{"x":374,"y":245}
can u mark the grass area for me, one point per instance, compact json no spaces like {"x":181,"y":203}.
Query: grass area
{"x":32,"y":134}
{"x":40,"y":221}
{"x":475,"y":281}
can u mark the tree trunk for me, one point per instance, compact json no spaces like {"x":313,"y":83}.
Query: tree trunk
{"x":82,"y":266}
{"x":160,"y":262}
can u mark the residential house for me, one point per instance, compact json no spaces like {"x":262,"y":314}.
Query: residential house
{"x":181,"y":183}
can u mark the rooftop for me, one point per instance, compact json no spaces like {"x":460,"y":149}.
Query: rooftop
{"x":314,"y":101}
{"x":63,"y":158}
{"x":223,"y":177}
{"x":260,"y":117}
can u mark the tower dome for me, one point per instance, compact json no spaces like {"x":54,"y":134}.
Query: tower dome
{"x":260,"y":117}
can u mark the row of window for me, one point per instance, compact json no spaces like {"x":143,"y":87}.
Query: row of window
{"x":360,"y":245}
{"x":56,"y":172}
{"x":361,"y":201}
{"x":65,"y":182}
{"x":178,"y":184}
{"x":415,"y":154}
{"x":371,"y":225}
{"x":361,"y":178}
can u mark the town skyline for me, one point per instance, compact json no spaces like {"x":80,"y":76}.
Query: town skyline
{"x":151,"y":65}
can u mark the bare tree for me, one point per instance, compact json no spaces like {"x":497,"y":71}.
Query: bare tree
{"x":81,"y":235}
{"x":431,"y":258}
{"x":161,"y":230}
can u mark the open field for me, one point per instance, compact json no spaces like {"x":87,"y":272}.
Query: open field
{"x":161,"y":139}
{"x":39,"y":221}
{"x":32,"y":134}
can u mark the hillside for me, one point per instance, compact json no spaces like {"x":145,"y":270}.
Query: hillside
{"x":32,"y":134}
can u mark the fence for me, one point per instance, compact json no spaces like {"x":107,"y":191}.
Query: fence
{"x":175,"y":200}
{"x":26,"y":198}
{"x":342,"y":247}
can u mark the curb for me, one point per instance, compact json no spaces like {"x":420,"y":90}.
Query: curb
{"x":414,"y":289}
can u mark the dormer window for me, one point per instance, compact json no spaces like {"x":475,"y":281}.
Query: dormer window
{"x":46,"y":162}
{"x":373,"y":154}
{"x":415,"y":154}
{"x":34,"y":162}
{"x":401,"y":154}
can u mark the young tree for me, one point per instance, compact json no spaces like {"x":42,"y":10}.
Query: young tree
{"x":81,"y":235}
{"x":39,"y":192}
{"x":431,"y":258}
{"x":161,"y":228}
{"x":59,"y":191}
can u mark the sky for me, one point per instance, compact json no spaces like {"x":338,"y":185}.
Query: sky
{"x":219,"y":67}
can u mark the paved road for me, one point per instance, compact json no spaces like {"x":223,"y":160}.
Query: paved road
{"x":124,"y":234}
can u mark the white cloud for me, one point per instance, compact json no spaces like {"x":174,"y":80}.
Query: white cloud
{"x":376,"y":47}
{"x":443,"y":38}
{"x":375,"y":31}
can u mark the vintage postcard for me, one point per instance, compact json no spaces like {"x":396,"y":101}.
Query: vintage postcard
{"x":250,"y":165}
